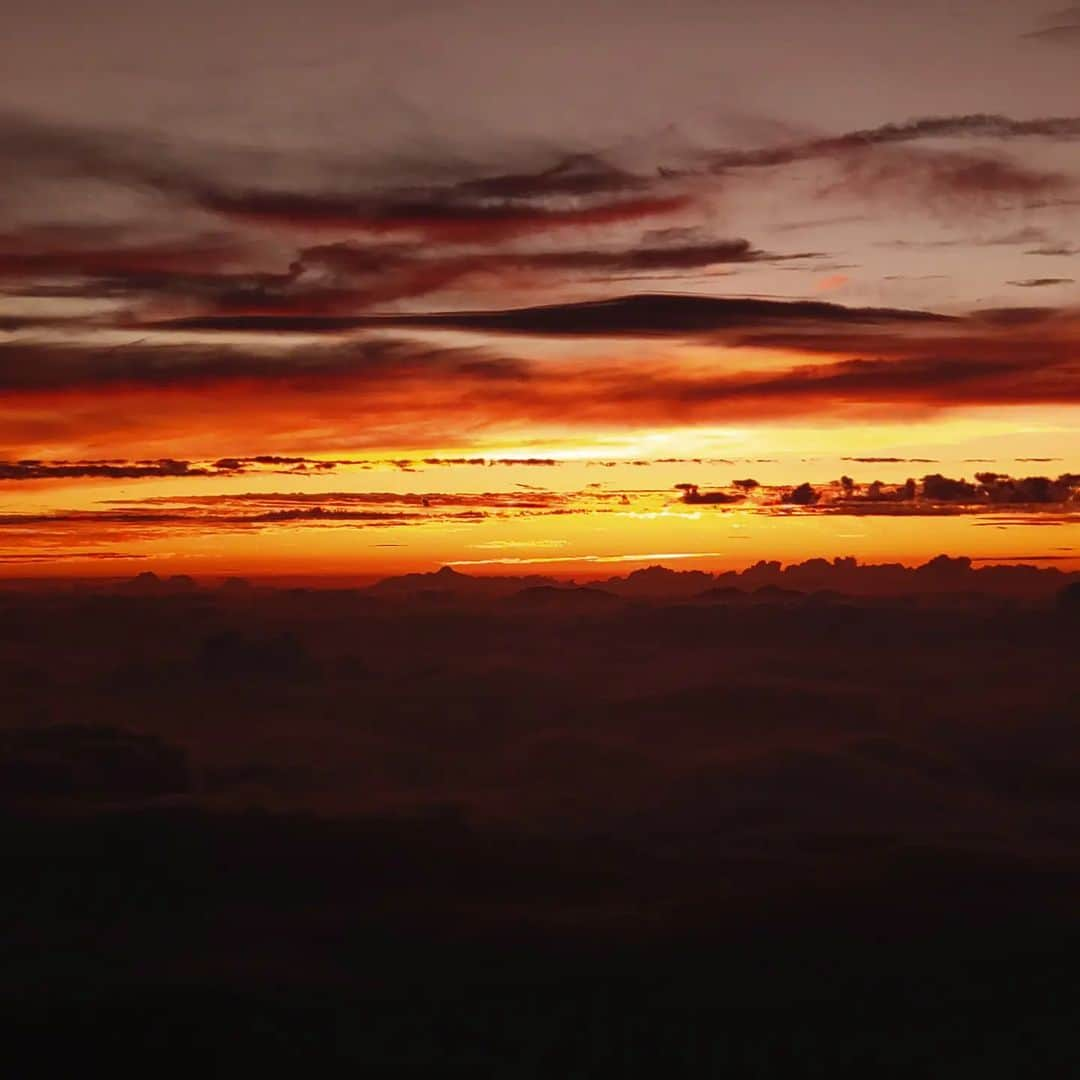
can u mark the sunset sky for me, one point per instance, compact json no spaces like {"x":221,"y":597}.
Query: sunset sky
{"x":360,"y":288}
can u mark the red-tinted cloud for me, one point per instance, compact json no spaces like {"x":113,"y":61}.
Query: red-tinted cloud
{"x":444,"y":221}
{"x":863,"y":360}
{"x":646,"y":315}
{"x":975,"y":125}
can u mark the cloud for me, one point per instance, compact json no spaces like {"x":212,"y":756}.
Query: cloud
{"x":133,"y":158}
{"x":1056,"y":250}
{"x":694,"y":496}
{"x":29,"y":367}
{"x":410,"y":241}
{"x":32,"y":469}
{"x":33,"y":144}
{"x":347,"y":277}
{"x":120,"y":469}
{"x":646,"y":315}
{"x":41,"y":470}
{"x":431,"y":218}
{"x":287,"y":465}
{"x":992,"y":499}
{"x":1041,"y":283}
{"x":974,"y":125}
{"x":336,"y":194}
{"x":985,"y":491}
{"x":1067,"y":34}
{"x":579,"y":174}
{"x":322,"y":280}
{"x":578,"y":191}
{"x":155,"y":518}
{"x":844,"y":361}
{"x":162,"y":517}
{"x":886,"y":161}
{"x":803,"y":495}
{"x":89,"y":251}
{"x":69,"y":556}
{"x":889,"y":460}
{"x":961,"y":180}
{"x":873,"y":161}
{"x":351,"y":259}
{"x":416,"y":394}
{"x":321,"y":514}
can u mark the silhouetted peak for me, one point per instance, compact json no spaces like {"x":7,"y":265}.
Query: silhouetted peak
{"x":946,"y":564}
{"x":842,"y":575}
{"x":447,"y":580}
{"x":654,"y":572}
{"x":659,"y":580}
{"x":146,"y":582}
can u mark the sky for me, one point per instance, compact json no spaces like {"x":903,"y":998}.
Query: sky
{"x":362,"y":288}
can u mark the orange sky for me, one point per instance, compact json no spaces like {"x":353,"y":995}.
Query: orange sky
{"x":856,"y":265}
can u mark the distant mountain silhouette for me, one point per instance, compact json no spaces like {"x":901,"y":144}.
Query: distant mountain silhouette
{"x":149,"y":584}
{"x":769,"y":580}
{"x":659,"y":581}
{"x":836,"y":578}
{"x":450,"y":581}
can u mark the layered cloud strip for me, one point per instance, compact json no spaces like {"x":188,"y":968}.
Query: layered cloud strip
{"x":418,"y":303}
{"x":342,"y":530}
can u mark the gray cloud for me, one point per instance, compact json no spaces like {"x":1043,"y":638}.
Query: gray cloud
{"x":1039,"y":283}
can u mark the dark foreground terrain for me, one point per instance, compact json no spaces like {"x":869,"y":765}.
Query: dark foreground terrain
{"x":724,"y":827}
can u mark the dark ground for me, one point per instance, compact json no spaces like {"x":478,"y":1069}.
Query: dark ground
{"x":521,"y":830}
